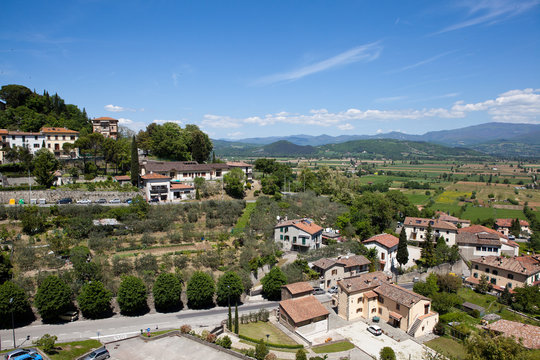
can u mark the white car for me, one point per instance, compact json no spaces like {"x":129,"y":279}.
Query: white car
{"x":375,"y":330}
{"x":84,"y":201}
{"x":333,"y":289}
{"x":114,"y":201}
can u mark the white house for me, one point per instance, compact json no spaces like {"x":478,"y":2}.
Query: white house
{"x":386,"y":246}
{"x":416,"y":229}
{"x":477,"y":240}
{"x":503,"y":226}
{"x":32,"y":141}
{"x":185,"y":170}
{"x":298,"y":235}
{"x":157,"y":186}
{"x":246,"y":168}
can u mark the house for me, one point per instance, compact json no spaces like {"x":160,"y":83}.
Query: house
{"x":503,"y":226}
{"x":372,"y":295}
{"x":460,"y":223}
{"x":182,"y":191}
{"x":305,"y":314}
{"x":123,"y":179}
{"x":296,"y":290}
{"x":298,"y":235}
{"x":528,"y":334}
{"x":386,"y":246}
{"x":106,"y":126}
{"x":33,"y":141}
{"x":160,"y":187}
{"x":185,"y":171}
{"x":331,"y":271}
{"x":510,"y":272}
{"x":56,"y":137}
{"x":416,"y":229}
{"x":246,"y":168}
{"x":478,"y":240}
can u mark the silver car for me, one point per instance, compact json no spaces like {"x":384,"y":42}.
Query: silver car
{"x":99,"y":354}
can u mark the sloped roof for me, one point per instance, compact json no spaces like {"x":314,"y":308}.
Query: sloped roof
{"x":529,"y":334}
{"x":400,"y":295}
{"x":177,"y":186}
{"x":303,"y":309}
{"x":17,"y":132}
{"x":180,"y":166}
{"x":324,"y":263}
{"x":238,"y":164}
{"x":306,"y":225}
{"x":298,"y":287}
{"x":58,"y":130}
{"x":356,"y":260}
{"x":105,"y":118}
{"x":476,"y":229}
{"x":385,"y":240}
{"x":449,"y":218}
{"x":154,"y":176}
{"x":435,"y":223}
{"x":466,"y":238}
{"x":526,"y":265}
{"x":122,"y":178}
{"x":362,"y":282}
{"x":508,"y":222}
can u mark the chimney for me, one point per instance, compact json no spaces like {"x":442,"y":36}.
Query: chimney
{"x":348,"y":285}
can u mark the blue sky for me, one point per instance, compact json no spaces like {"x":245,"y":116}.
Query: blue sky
{"x":264,"y":68}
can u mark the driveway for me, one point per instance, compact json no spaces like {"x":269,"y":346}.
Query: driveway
{"x":357,"y":333}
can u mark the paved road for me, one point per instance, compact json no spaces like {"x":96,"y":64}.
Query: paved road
{"x":120,"y":327}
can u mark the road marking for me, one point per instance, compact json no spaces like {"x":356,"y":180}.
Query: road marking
{"x":120,"y":336}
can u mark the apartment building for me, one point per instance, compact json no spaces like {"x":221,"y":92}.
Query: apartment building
{"x":386,"y":246}
{"x":511,"y":272}
{"x":106,"y":126}
{"x":55,"y":138}
{"x":416,"y":229}
{"x":185,"y":171}
{"x":31,"y":140}
{"x":298,"y":235}
{"x":333,"y":270}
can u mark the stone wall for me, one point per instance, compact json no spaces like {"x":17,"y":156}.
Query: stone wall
{"x":51,"y":196}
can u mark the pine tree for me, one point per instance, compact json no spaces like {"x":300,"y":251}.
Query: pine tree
{"x":402,"y":251}
{"x":236,"y":325}
{"x":134,"y":163}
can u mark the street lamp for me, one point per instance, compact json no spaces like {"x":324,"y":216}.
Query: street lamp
{"x":12,"y":321}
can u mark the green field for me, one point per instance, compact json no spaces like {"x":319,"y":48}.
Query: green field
{"x":332,"y":348}
{"x":260,"y":329}
{"x":448,"y":347}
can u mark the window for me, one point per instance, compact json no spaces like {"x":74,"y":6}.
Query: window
{"x":359,"y":300}
{"x":381,"y":300}
{"x":484,"y":248}
{"x":280,"y":229}
{"x":447,"y":232}
{"x":72,"y":137}
{"x":382,"y":256}
{"x":487,"y":270}
{"x":280,"y":237}
{"x":35,"y":137}
{"x":475,"y":275}
{"x":294,"y":239}
{"x":287,"y":229}
{"x":397,"y":306}
{"x":478,"y":248}
{"x":36,"y":145}
{"x":334,"y":272}
{"x":380,"y":310}
{"x":286,"y":237}
{"x":495,"y":272}
{"x":493,"y":280}
{"x":49,"y":146}
{"x":476,"y":267}
{"x":509,"y":285}
{"x":48,"y":137}
{"x":373,"y":310}
{"x":511,"y":276}
{"x":358,"y":310}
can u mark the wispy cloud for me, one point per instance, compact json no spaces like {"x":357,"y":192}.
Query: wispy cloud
{"x":366,"y":53}
{"x":422,"y":62}
{"x":490,"y":12}
{"x":390,"y":99}
{"x":116,"y":108}
{"x":174,"y":77}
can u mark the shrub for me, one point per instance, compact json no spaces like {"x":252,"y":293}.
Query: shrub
{"x":94,"y":300}
{"x":167,"y":291}
{"x":387,"y":353}
{"x":261,"y":350}
{"x":52,"y":298}
{"x":272,"y":283}
{"x":229,"y":288}
{"x":185,"y":329}
{"x":439,"y":329}
{"x":19,"y":306}
{"x":225,"y":342}
{"x":46,"y":343}
{"x":211,"y":338}
{"x":200,"y":291}
{"x":301,"y":355}
{"x":132,"y":296}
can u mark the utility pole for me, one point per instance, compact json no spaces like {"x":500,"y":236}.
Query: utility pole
{"x":30,"y":186}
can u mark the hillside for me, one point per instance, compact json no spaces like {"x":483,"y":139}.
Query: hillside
{"x":285,"y":148}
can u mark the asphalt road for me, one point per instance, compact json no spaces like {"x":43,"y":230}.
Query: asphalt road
{"x":120,"y":327}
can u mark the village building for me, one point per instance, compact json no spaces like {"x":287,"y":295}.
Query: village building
{"x":185,"y":171}
{"x":386,"y":246}
{"x":159,"y":187}
{"x":501,"y":272}
{"x":416,"y":229}
{"x":372,"y":295}
{"x":303,"y":314}
{"x":106,"y":126}
{"x":460,"y":223}
{"x":123,"y":179}
{"x":529,"y":335}
{"x":56,"y":137}
{"x":478,"y":240}
{"x":296,"y":290}
{"x":33,"y":141}
{"x":245,"y":167}
{"x":503,"y":226}
{"x":298,"y":235}
{"x":331,"y":271}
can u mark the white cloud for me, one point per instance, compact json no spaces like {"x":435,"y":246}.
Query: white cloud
{"x":115,"y":108}
{"x":422,"y":62}
{"x":236,"y":134}
{"x":490,"y":12}
{"x":366,"y":53}
{"x":511,"y":106}
{"x":124,"y":121}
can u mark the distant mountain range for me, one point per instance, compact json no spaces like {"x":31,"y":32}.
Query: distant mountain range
{"x":497,"y":139}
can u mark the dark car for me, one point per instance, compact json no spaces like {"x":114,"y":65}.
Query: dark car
{"x":154,"y":200}
{"x":65,"y":201}
{"x":128,"y":201}
{"x":101,"y":201}
{"x":318,"y":291}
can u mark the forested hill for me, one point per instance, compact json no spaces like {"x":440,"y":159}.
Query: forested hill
{"x":285,"y":148}
{"x":28,"y":111}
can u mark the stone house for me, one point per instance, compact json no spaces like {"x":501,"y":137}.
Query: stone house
{"x":331,"y":271}
{"x":416,"y":229}
{"x":503,"y":226}
{"x":305,"y":314}
{"x":478,"y":240}
{"x":298,"y":235}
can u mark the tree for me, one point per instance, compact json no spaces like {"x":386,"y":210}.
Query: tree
{"x":234,"y":183}
{"x":488,"y":347}
{"x":15,"y":95}
{"x":300,"y":355}
{"x":272,"y":283}
{"x":402,"y":251}
{"x":515,"y":227}
{"x":387,"y":353}
{"x":20,"y":306}
{"x":260,"y":350}
{"x":94,"y":300}
{"x":6,"y":267}
{"x":200,"y":144}
{"x":132,"y":296}
{"x":236,"y":323}
{"x":449,"y":283}
{"x":33,"y":220}
{"x":506,"y":296}
{"x":527,"y":299}
{"x":45,"y":164}
{"x":46,"y":343}
{"x":167,"y":291}
{"x":428,"y":250}
{"x":225,"y":342}
{"x":53,"y":298}
{"x":483,"y":285}
{"x":200,"y":291}
{"x":229,"y":288}
{"x":427,"y":288}
{"x":443,"y":301}
{"x":134,"y":169}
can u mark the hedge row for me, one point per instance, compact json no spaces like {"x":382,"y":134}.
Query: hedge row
{"x":279,"y":346}
{"x":23,"y":187}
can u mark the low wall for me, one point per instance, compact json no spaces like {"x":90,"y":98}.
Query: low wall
{"x":52,"y":196}
{"x":456,"y":268}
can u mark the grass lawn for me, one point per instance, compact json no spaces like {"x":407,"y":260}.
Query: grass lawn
{"x":243,"y":221}
{"x":473,"y":297}
{"x":72,"y":350}
{"x":260,"y":329}
{"x":335,"y":347}
{"x":269,"y":346}
{"x":447,"y":346}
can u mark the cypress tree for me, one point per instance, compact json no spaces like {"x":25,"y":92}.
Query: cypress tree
{"x":402,"y":251}
{"x":134,"y":163}
{"x":229,"y":319}
{"x":236,"y":327}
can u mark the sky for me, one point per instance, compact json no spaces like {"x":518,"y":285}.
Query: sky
{"x":242,"y":69}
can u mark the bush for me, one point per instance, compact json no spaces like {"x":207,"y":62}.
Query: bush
{"x":229,"y":288}
{"x":94,"y":300}
{"x":167,"y":291}
{"x":53,"y":298}
{"x":272,"y":283}
{"x":46,"y":343}
{"x":225,"y":342}
{"x":261,"y":350}
{"x":185,"y":329}
{"x":132,"y":296}
{"x":387,"y":353}
{"x":439,"y":329}
{"x":19,"y":306}
{"x":301,"y":355}
{"x":200,"y":291}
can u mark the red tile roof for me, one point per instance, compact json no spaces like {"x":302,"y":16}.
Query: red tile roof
{"x":435,"y":223}
{"x":58,"y":130}
{"x":153,"y":176}
{"x":324,"y":263}
{"x":298,"y":287}
{"x":303,"y":309}
{"x":508,"y":222}
{"x":306,"y":225}
{"x":386,"y":240}
{"x":363,"y":282}
{"x":529,"y":334}
{"x":3,"y":131}
{"x":370,"y":294}
{"x":177,"y":186}
{"x":356,"y":260}
{"x":238,"y":164}
{"x":395,"y":315}
{"x":526,"y":265}
{"x":17,"y":132}
{"x":122,"y":178}
{"x":105,"y":118}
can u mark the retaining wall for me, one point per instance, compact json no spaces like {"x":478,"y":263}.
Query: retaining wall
{"x":52,"y":196}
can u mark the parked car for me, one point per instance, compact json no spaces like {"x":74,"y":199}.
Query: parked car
{"x":333,"y":289}
{"x":101,"y":201}
{"x":19,"y":352}
{"x":84,"y":201}
{"x":29,"y":356}
{"x":154,"y":200}
{"x":69,"y":316}
{"x":115,"y":201}
{"x":65,"y":201}
{"x":99,"y":354}
{"x":318,"y":291}
{"x":375,"y":330}
{"x":128,"y":201}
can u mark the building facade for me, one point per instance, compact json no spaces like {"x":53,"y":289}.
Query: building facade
{"x":33,"y":141}
{"x":478,"y":240}
{"x":159,"y":187}
{"x":55,"y":138}
{"x":386,"y":246}
{"x":510,"y":272}
{"x":333,"y":270}
{"x":298,"y":235}
{"x":503,"y":226}
{"x":416,"y":229}
{"x":106,"y":126}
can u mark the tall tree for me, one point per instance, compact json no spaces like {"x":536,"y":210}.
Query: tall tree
{"x":53,"y":298}
{"x":15,"y":95}
{"x":200,"y":291}
{"x":200,"y":144}
{"x":272,"y":283}
{"x":6,"y":267}
{"x":234,"y":183}
{"x":236,"y":323}
{"x":515,"y":227}
{"x":229,"y":288}
{"x":167,"y":291}
{"x":402,"y":251}
{"x":45,"y":164}
{"x":134,"y":163}
{"x":13,"y":299}
{"x":94,"y":300}
{"x":132,"y":296}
